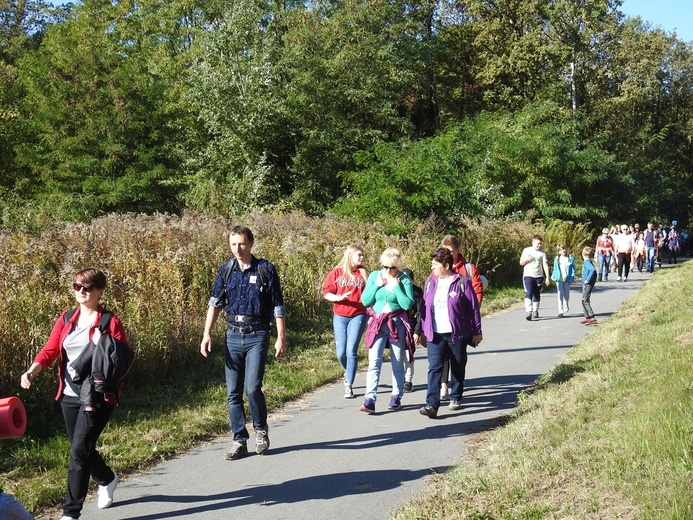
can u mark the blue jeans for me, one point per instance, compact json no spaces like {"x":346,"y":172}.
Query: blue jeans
{"x":441,"y":347}
{"x":398,"y":353}
{"x":12,"y":509}
{"x":603,"y":262}
{"x":347,"y":335}
{"x":651,"y":257}
{"x":244,"y":367}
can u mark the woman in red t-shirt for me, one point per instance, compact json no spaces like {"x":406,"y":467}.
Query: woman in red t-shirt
{"x":343,"y":287}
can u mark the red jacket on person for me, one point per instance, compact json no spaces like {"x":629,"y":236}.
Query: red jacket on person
{"x":54,"y":346}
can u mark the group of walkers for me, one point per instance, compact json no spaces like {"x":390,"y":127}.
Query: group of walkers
{"x":617,"y":249}
{"x":621,"y":249}
{"x":385,"y":307}
{"x":392,"y":313}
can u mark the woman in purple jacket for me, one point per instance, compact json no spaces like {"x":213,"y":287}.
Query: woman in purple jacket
{"x":451,"y":321}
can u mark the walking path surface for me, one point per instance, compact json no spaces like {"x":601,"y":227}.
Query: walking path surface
{"x":328,"y":460}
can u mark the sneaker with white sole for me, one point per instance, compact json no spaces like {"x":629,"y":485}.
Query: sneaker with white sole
{"x":105,"y":493}
{"x":348,"y":391}
{"x":455,"y":405}
{"x":262,"y":442}
{"x":65,"y":517}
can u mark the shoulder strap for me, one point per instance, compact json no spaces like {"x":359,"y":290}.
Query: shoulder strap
{"x":105,"y":320}
{"x":227,"y":273}
{"x":470,"y":269}
{"x":262,"y":269}
{"x":68,"y":315}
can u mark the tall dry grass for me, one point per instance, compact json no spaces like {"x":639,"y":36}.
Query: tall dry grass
{"x":161,"y":268}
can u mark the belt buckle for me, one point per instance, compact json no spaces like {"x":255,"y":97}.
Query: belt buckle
{"x":245,"y":330}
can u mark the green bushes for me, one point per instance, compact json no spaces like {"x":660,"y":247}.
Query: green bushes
{"x":161,"y":268}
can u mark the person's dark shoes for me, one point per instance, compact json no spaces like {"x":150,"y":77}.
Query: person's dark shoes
{"x":535,"y":314}
{"x":429,"y":412}
{"x":455,"y":405}
{"x":408,"y":386}
{"x":368,"y":406}
{"x":599,"y":278}
{"x":395,"y":403}
{"x":237,"y":451}
{"x":262,"y":442}
{"x":528,"y":316}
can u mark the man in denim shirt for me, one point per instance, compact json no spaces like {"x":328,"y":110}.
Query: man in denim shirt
{"x":251,"y":297}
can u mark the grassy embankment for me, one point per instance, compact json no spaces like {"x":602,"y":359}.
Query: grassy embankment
{"x":160,"y":271}
{"x":607,"y":434}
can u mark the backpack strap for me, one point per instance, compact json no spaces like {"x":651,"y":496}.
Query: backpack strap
{"x":105,"y":320}
{"x":68,"y":316}
{"x":262,"y":269}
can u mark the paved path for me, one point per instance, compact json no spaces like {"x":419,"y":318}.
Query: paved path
{"x":330,"y":461}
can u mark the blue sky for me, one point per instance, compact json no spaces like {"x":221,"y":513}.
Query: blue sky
{"x":670,"y":15}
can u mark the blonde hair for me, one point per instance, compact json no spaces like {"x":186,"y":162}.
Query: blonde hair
{"x":391,"y":257}
{"x":347,"y":266}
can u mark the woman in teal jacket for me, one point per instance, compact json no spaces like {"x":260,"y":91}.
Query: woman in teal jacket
{"x":563,"y":274}
{"x":388,"y":296}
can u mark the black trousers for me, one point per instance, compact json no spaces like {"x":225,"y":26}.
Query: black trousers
{"x":83,"y":431}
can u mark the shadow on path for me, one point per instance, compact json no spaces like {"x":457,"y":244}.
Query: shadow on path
{"x":320,"y":487}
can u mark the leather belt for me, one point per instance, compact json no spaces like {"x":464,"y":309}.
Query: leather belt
{"x":249,"y":328}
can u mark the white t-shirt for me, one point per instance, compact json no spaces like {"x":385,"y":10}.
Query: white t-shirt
{"x":535,"y":268}
{"x":441,"y":315}
{"x":563,"y":263}
{"x":75,"y":342}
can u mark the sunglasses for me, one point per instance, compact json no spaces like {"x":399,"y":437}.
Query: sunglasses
{"x":389,"y":268}
{"x":78,"y":287}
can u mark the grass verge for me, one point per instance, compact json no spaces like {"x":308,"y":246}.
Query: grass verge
{"x":607,"y":434}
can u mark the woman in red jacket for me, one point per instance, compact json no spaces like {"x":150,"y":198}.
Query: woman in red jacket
{"x":343,"y":287}
{"x":69,"y":338}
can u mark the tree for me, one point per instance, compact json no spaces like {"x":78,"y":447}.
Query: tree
{"x":493,"y":166}
{"x":98,"y":114}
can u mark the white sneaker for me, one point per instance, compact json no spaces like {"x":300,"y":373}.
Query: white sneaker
{"x":105,"y":493}
{"x":348,"y":392}
{"x":67,"y":518}
{"x":618,"y":279}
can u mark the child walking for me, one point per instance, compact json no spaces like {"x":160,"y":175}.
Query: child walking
{"x":563,"y":274}
{"x":535,"y":265}
{"x":589,"y":278}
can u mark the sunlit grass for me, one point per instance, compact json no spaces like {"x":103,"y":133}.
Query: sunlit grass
{"x":607,"y":434}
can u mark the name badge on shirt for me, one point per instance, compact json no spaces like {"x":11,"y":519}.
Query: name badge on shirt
{"x":253,"y":278}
